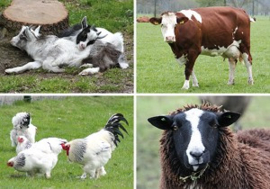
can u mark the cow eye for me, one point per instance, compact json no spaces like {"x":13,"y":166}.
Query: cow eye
{"x":175,"y":128}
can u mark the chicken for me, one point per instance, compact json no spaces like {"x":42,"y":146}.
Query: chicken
{"x":22,"y":127}
{"x":94,"y":151}
{"x":40,"y":158}
{"x":22,"y":144}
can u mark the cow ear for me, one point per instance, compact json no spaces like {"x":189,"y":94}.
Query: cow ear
{"x":161,"y":122}
{"x":227,"y":118}
{"x":84,"y":22}
{"x":182,"y":20}
{"x":155,"y":21}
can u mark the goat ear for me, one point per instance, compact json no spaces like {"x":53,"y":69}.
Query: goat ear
{"x":36,"y":31}
{"x":161,"y":122}
{"x":181,"y":20}
{"x":28,"y":33}
{"x":227,"y":118}
{"x":155,"y":21}
{"x":84,"y":22}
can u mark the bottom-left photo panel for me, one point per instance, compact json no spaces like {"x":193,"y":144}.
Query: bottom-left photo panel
{"x":66,"y":142}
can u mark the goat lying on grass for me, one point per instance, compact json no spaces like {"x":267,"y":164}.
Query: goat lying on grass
{"x":48,"y":52}
{"x":107,"y":48}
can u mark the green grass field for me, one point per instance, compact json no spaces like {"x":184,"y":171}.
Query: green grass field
{"x":148,"y":165}
{"x":158,"y":71}
{"x":70,"y":118}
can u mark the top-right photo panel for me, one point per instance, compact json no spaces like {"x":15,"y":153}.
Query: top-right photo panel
{"x":203,"y":46}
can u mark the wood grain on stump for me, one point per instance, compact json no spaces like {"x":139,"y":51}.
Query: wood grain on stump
{"x":50,"y":14}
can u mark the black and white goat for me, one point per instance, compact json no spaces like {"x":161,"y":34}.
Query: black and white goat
{"x":107,"y":48}
{"x":48,"y":52}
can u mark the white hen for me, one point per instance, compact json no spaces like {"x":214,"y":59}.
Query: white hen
{"x":22,"y":127}
{"x":23,"y":143}
{"x":40,"y":158}
{"x":94,"y":151}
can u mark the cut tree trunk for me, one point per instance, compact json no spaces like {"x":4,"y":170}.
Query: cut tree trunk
{"x":50,"y":14}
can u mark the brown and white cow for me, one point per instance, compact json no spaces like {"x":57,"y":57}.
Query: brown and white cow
{"x":212,"y":31}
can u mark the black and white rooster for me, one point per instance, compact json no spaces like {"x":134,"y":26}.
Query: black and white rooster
{"x":94,"y":151}
{"x":22,"y":127}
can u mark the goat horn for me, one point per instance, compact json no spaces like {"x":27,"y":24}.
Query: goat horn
{"x":102,"y":36}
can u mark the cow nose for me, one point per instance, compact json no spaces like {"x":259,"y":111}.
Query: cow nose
{"x":170,"y":39}
{"x":196,"y":155}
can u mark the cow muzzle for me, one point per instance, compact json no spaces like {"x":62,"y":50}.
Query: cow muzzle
{"x":170,"y":39}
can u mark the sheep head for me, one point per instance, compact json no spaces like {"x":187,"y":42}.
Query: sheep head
{"x":195,"y":134}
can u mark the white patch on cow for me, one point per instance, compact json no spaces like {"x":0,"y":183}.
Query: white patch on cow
{"x":190,"y":13}
{"x":213,"y":52}
{"x":167,"y":27}
{"x":230,"y":51}
{"x":195,"y":145}
{"x":249,"y":68}
{"x":186,"y":84}
{"x":251,"y":19}
{"x":182,"y":60}
{"x":242,"y":33}
{"x":235,"y":30}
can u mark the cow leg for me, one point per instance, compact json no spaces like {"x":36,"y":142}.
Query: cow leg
{"x":248,"y":62}
{"x":231,"y":70}
{"x":194,"y":79}
{"x":190,"y":60}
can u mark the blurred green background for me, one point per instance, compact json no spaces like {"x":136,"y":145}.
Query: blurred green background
{"x":148,"y":165}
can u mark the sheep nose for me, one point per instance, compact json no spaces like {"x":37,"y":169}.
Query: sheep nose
{"x":196,"y":155}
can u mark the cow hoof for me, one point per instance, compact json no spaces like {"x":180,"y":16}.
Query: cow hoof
{"x":230,"y":82}
{"x":195,"y":85}
{"x":250,"y":82}
{"x":185,"y":88}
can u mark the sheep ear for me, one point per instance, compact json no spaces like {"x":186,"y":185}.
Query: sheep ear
{"x":227,"y":118}
{"x":84,"y":22}
{"x":161,"y":122}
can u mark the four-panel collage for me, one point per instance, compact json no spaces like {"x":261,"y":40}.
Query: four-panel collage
{"x":103,"y":94}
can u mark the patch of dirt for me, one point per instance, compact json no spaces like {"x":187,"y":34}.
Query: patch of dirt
{"x":11,"y":57}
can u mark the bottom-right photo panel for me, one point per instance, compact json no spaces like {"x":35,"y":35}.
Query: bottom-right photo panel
{"x":212,"y":142}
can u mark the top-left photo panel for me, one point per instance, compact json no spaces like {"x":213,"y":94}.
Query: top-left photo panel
{"x":74,"y":46}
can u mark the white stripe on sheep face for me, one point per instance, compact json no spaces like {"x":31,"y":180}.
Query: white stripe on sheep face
{"x":195,"y":147}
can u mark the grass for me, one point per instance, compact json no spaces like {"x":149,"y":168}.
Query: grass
{"x":113,"y":15}
{"x":148,"y":165}
{"x":70,"y":118}
{"x":158,"y":72}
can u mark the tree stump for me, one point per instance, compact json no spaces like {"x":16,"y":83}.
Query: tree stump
{"x":50,"y":14}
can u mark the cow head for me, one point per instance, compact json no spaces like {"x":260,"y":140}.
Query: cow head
{"x":195,"y":134}
{"x":168,"y":22}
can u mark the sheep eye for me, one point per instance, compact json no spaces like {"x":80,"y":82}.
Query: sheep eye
{"x":213,"y":124}
{"x":175,"y":128}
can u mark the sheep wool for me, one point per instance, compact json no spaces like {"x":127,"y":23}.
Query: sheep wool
{"x":241,"y":161}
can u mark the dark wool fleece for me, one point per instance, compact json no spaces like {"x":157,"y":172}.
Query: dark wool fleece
{"x":239,"y":163}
